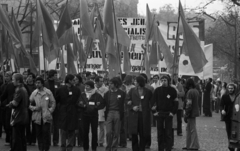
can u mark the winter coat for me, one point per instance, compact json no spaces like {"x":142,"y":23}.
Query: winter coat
{"x":45,"y":100}
{"x":20,"y":107}
{"x":145,"y":100}
{"x":67,"y":99}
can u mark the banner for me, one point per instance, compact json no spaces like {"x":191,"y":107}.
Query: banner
{"x":136,"y":28}
{"x":185,"y":67}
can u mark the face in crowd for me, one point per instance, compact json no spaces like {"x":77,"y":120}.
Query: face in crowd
{"x":111,"y":85}
{"x":231,"y":89}
{"x":155,"y":79}
{"x":38,"y":84}
{"x":164,"y":82}
{"x":87,"y":87}
{"x":99,"y":83}
{"x":7,"y":77}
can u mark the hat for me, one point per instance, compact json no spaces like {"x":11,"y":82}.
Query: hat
{"x":90,"y":83}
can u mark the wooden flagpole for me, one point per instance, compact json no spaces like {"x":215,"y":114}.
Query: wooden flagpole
{"x":115,"y":24}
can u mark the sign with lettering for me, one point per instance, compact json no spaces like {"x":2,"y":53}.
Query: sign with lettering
{"x":136,"y":28}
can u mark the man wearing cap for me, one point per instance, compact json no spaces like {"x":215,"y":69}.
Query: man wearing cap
{"x":164,"y":107}
{"x":42,"y":105}
{"x":53,"y":85}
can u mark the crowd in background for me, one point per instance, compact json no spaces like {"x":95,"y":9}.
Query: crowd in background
{"x":44,"y":109}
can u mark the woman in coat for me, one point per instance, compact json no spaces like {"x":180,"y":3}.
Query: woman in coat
{"x":138,"y":100}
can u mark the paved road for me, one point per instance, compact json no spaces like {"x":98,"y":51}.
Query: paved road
{"x":211,"y":133}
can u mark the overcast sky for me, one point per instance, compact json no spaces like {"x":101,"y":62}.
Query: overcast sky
{"x":216,"y":6}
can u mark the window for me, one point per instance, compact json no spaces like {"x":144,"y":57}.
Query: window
{"x":5,"y":7}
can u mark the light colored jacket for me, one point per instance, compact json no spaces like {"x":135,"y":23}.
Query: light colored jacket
{"x":43,"y":107}
{"x":102,"y":90}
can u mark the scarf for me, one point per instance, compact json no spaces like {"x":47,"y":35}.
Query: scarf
{"x":102,"y":90}
{"x":90,"y":93}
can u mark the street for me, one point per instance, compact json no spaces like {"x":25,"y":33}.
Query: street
{"x":211,"y":133}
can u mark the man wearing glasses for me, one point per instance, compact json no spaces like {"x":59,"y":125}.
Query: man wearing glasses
{"x":164,"y":107}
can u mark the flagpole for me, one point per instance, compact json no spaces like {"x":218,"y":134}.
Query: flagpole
{"x":90,"y":47}
{"x":39,"y":60}
{"x":159,"y":67}
{"x":141,"y":65}
{"x":44,"y":62}
{"x":115,"y":24}
{"x":147,"y":43}
{"x":57,"y":59}
{"x":175,"y":59}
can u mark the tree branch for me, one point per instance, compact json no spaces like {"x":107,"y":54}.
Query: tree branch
{"x":226,"y":22}
{"x":236,"y":2}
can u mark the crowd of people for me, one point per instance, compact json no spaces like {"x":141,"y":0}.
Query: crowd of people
{"x":44,"y":109}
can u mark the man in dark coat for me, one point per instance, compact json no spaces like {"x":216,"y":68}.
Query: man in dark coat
{"x":227,"y":109}
{"x":19,"y":117}
{"x":53,"y":85}
{"x":67,"y":98}
{"x":7,"y":90}
{"x":153,"y":119}
{"x":164,"y":106}
{"x":207,"y":99}
{"x":138,"y":100}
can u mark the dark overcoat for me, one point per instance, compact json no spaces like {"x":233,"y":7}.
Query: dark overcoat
{"x":67,"y":100}
{"x":135,"y":98}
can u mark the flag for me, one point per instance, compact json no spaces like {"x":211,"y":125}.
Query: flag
{"x":44,"y":25}
{"x":6,"y":23}
{"x":102,"y":43}
{"x":146,"y":64}
{"x":113,"y":59}
{"x":122,"y":36}
{"x":76,"y":45}
{"x":153,"y":58}
{"x":62,"y":66}
{"x":70,"y":61}
{"x":65,"y":23}
{"x":162,"y":45}
{"x":78,"y":50}
{"x":82,"y":55}
{"x":192,"y":45}
{"x":18,"y":34}
{"x":126,"y":60}
{"x":99,"y":34}
{"x":4,"y":44}
{"x":20,"y":52}
{"x":93,"y":14}
{"x":67,"y":37}
{"x":87,"y":28}
{"x":149,"y":25}
{"x":108,"y":18}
